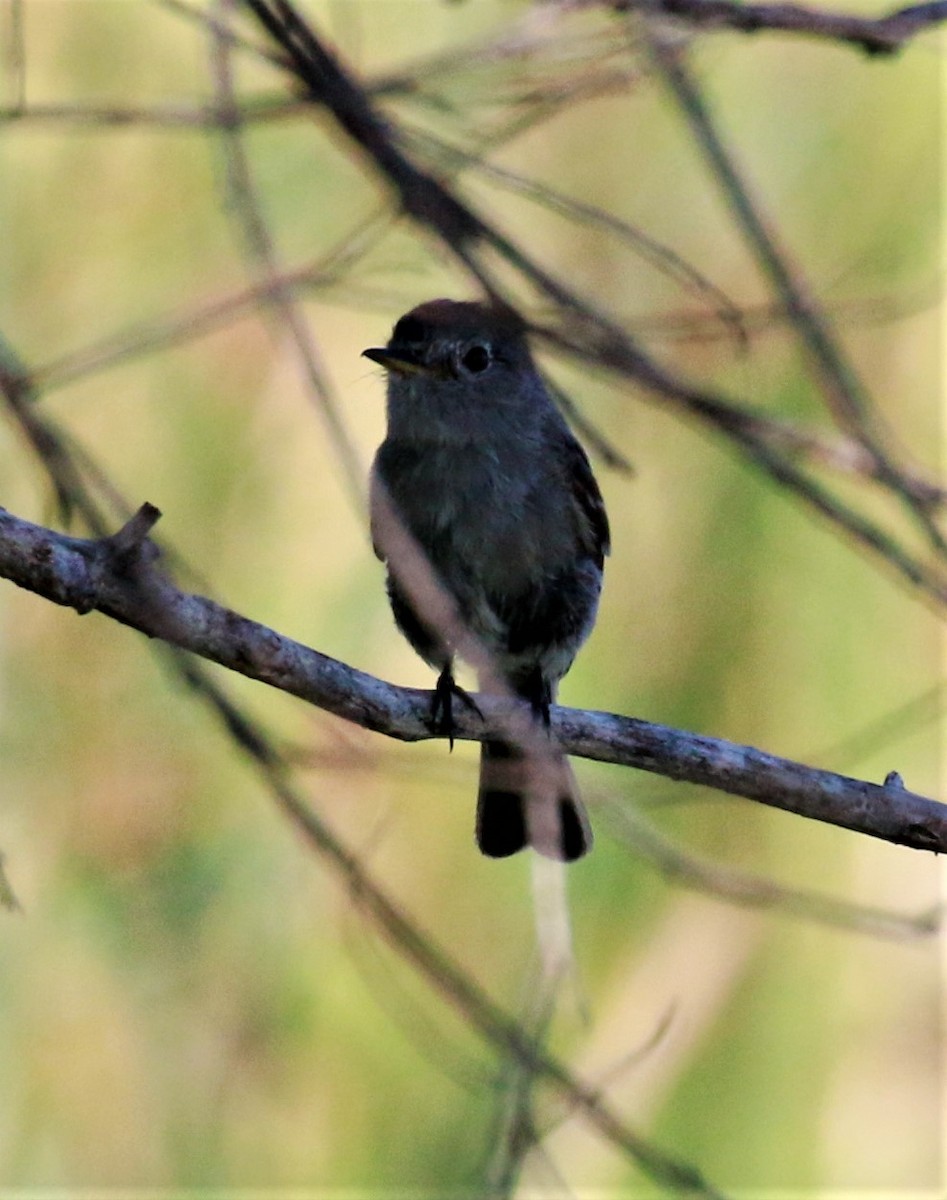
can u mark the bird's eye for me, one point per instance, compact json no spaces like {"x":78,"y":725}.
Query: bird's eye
{"x":476,"y":359}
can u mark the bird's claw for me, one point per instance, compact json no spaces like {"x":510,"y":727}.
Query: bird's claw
{"x":442,"y":705}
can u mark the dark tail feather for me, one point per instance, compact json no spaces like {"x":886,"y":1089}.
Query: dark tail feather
{"x":502,"y":825}
{"x":501,"y":813}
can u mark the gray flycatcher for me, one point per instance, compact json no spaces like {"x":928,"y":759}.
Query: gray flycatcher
{"x":483,"y":472}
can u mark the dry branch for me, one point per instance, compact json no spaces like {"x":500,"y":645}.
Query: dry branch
{"x":119,"y":576}
{"x":874,"y":35}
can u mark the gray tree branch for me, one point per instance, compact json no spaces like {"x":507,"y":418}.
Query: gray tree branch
{"x":120,"y":576}
{"x":874,"y":35}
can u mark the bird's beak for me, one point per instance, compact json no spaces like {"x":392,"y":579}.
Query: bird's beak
{"x":400,"y":364}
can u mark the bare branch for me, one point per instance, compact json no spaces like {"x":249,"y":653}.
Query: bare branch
{"x":752,"y":891}
{"x":874,"y":35}
{"x":207,"y":316}
{"x":188,"y":117}
{"x":246,"y":204}
{"x":845,"y":396}
{"x":119,"y":577}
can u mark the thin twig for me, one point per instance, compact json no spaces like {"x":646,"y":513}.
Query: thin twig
{"x":591,"y":216}
{"x":222,"y":30}
{"x":756,"y":892}
{"x":184,"y":117}
{"x":774,"y":454}
{"x":202,"y":319}
{"x":874,"y":35}
{"x":845,"y":395}
{"x":247,"y":207}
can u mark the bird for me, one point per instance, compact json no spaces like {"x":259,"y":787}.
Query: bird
{"x":483,"y":472}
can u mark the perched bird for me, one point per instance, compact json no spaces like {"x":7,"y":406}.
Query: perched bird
{"x":483,"y":472}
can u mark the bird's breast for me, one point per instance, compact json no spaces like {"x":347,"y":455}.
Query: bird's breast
{"x":473,"y":508}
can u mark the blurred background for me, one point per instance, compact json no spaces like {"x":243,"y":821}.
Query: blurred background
{"x":187,"y":997}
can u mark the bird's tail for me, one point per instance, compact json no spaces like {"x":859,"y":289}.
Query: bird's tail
{"x":529,"y":800}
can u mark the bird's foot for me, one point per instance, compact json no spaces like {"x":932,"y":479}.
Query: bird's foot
{"x":442,"y":705}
